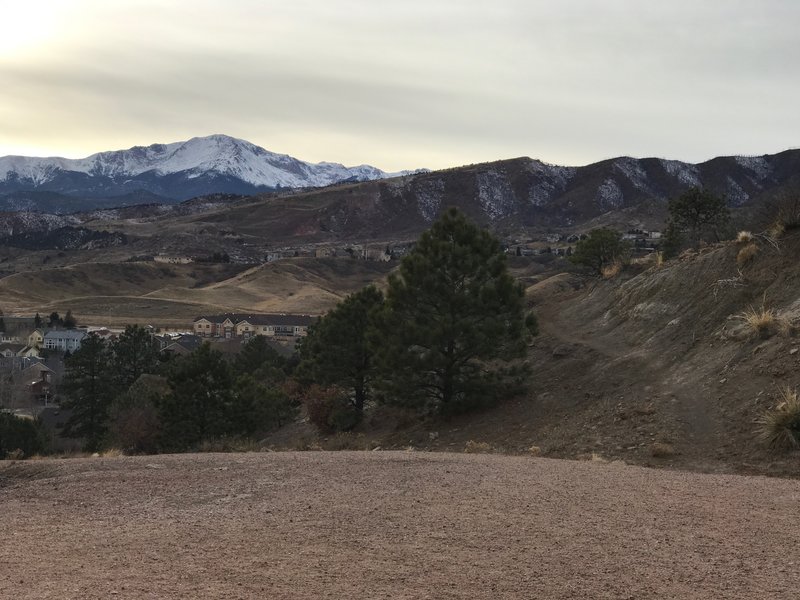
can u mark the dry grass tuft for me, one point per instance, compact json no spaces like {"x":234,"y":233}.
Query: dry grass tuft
{"x":760,"y":322}
{"x":14,"y":455}
{"x":744,"y":236}
{"x":612,"y":270}
{"x":746,"y":254}
{"x":786,"y":328}
{"x":112,"y":453}
{"x":473,"y":447}
{"x":662,"y":450}
{"x":535,"y":451}
{"x":779,"y":428}
{"x":777,"y":230}
{"x":597,"y":458}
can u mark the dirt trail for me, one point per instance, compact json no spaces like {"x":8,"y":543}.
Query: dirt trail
{"x":390,"y":525}
{"x":625,"y":361}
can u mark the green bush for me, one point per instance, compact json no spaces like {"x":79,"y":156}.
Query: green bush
{"x":19,"y":436}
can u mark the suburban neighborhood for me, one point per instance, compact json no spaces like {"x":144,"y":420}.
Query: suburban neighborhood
{"x":32,"y":357}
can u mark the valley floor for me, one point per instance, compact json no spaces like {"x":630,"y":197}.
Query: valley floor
{"x":390,"y":525}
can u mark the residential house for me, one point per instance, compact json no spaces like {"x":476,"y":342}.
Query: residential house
{"x":245,"y":326}
{"x":183,"y":344}
{"x":36,"y":338}
{"x":8,"y":350}
{"x":11,"y":350}
{"x":173,"y":260}
{"x":64,"y":340}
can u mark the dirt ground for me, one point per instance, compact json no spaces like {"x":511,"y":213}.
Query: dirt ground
{"x":390,"y":525}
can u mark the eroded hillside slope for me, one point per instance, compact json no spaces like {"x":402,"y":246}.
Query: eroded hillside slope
{"x":659,"y":363}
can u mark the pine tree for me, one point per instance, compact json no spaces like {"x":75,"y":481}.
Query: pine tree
{"x":336,"y":350}
{"x":259,"y":357}
{"x":600,"y":248}
{"x":134,"y":355}
{"x":453,"y":327}
{"x":37,"y":321}
{"x":88,"y":391}
{"x":200,"y":402}
{"x":69,"y":321}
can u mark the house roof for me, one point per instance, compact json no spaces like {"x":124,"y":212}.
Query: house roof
{"x":261,"y":319}
{"x":65,"y":334}
{"x":13,"y":347}
{"x":38,"y":367}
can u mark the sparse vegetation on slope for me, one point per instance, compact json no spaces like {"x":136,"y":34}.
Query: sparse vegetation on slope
{"x":780,"y":426}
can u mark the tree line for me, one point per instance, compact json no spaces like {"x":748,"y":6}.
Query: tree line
{"x":448,"y":334}
{"x":696,"y":216}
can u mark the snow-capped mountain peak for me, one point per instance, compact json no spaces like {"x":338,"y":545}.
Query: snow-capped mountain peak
{"x":210,"y":156}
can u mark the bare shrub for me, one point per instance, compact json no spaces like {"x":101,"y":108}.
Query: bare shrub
{"x":779,"y":428}
{"x":329,"y":409}
{"x":746,"y":254}
{"x":473,"y":447}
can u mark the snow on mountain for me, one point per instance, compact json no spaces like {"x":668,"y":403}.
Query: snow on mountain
{"x":200,"y":156}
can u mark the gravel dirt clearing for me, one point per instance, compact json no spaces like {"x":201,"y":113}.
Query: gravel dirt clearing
{"x":390,"y":525}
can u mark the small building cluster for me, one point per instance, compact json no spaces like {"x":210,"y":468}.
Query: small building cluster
{"x":247,"y":325}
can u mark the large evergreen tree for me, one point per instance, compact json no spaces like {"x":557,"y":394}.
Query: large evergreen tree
{"x":88,"y":391}
{"x":599,"y":249}
{"x":336,"y":350}
{"x":134,"y":355}
{"x":200,"y":404}
{"x":453,"y":325}
{"x":258,"y":357}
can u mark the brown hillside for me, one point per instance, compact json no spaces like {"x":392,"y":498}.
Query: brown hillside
{"x":172,"y":295}
{"x":658,"y":363}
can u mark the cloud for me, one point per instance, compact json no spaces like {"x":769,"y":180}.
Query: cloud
{"x":416,"y":83}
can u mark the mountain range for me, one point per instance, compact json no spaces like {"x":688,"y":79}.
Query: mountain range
{"x":365,"y":201}
{"x":164,"y":173}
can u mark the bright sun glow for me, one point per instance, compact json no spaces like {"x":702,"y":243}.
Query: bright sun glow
{"x":27,"y":25}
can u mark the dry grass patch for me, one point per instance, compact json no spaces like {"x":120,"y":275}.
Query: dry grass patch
{"x":746,"y":254}
{"x":473,"y":447}
{"x":612,"y":270}
{"x":779,"y":428}
{"x":776,"y":230}
{"x":761,"y":322}
{"x":744,"y":237}
{"x":662,"y":450}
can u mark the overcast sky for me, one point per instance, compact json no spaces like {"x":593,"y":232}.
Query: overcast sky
{"x":431,"y":83}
